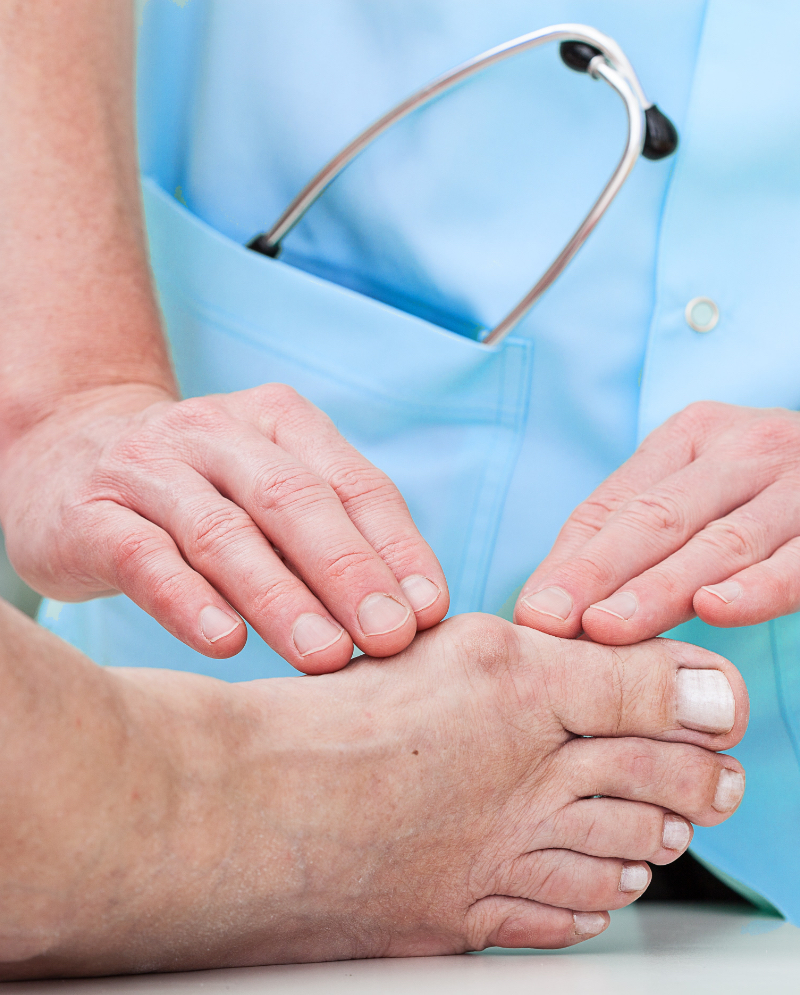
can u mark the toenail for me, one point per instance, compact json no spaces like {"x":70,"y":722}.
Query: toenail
{"x":420,"y":591}
{"x":587,"y":923}
{"x":727,"y":592}
{"x":634,"y":877}
{"x":313,"y":633}
{"x":380,"y":613}
{"x":730,"y":788}
{"x":622,"y":605}
{"x":705,"y":700}
{"x":676,"y":834}
{"x":550,"y":601}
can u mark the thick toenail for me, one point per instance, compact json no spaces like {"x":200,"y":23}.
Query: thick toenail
{"x":634,"y":877}
{"x":621,"y":605}
{"x":705,"y":700}
{"x":551,"y":601}
{"x":677,"y":833}
{"x":730,"y":788}
{"x":587,"y":923}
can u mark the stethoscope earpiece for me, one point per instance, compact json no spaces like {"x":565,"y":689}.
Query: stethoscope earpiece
{"x":577,"y":55}
{"x":584,"y":49}
{"x":661,"y":135}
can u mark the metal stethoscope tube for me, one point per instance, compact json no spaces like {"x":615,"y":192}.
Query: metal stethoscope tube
{"x":583,"y":48}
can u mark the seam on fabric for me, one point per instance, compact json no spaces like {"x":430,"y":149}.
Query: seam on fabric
{"x":500,"y":480}
{"x":229,"y":325}
{"x":779,"y":686}
{"x":487,"y":508}
{"x":665,"y":201}
{"x":522,"y":405}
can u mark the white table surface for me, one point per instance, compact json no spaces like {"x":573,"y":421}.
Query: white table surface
{"x":651,"y":949}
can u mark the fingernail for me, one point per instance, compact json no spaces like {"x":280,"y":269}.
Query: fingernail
{"x":420,"y":591}
{"x":215,"y":624}
{"x":587,"y":923}
{"x":621,"y":605}
{"x":730,"y":788}
{"x":550,"y":601}
{"x":634,"y":877}
{"x":727,"y":592}
{"x":676,"y":833}
{"x":705,"y":700}
{"x":312,"y":633}
{"x":380,"y":613}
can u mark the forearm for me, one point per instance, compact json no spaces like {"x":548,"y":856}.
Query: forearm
{"x":77,"y":310}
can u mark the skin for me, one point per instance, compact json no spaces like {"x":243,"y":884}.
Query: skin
{"x":703,"y":519}
{"x":251,"y":505}
{"x":160,"y":821}
{"x":201,"y":510}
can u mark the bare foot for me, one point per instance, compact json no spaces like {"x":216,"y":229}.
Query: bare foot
{"x":441,"y":801}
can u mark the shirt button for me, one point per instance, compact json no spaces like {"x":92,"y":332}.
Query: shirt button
{"x":702,"y":314}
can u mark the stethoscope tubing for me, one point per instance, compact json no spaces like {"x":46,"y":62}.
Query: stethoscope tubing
{"x":610,"y":65}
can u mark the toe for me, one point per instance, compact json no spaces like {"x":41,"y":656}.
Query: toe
{"x":503,"y":921}
{"x":570,"y":880}
{"x":609,"y":827}
{"x":659,"y":689}
{"x":701,"y":786}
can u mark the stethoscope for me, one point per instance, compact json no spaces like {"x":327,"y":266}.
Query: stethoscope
{"x":650,"y":133}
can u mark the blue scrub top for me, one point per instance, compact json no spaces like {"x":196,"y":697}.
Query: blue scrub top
{"x":436,"y":232}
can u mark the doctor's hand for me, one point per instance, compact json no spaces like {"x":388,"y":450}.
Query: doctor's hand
{"x":704,"y":519}
{"x":204,"y":510}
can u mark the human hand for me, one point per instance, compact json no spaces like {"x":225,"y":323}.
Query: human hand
{"x":703,"y":519}
{"x":250,"y":501}
{"x":444,"y":804}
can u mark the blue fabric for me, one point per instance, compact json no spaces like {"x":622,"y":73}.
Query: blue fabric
{"x":437,"y":231}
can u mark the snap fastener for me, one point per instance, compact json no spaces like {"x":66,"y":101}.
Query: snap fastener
{"x":702,"y":314}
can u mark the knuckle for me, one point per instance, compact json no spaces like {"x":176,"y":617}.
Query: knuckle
{"x":281,"y":489}
{"x":217,"y":529}
{"x":739,"y":537}
{"x":135,"y":553}
{"x":288,"y":412}
{"x":357,"y":483}
{"x":773,"y":436}
{"x":280,"y":395}
{"x":655,"y":510}
{"x":340,"y":566}
{"x":195,"y":414}
{"x":700,"y":414}
{"x":593,"y":513}
{"x":591,"y":570}
{"x":276,"y":598}
{"x":399,"y":550}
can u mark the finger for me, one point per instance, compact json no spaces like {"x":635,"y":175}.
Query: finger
{"x":301,"y":515}
{"x":140,"y":560}
{"x":644,"y":531}
{"x":608,"y":827}
{"x":703,"y":787}
{"x":762,"y":592}
{"x":221,"y":542}
{"x":368,"y":496}
{"x":661,"y":689}
{"x":497,"y":921}
{"x":666,"y":450}
{"x":575,"y":881}
{"x":662,"y":597}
